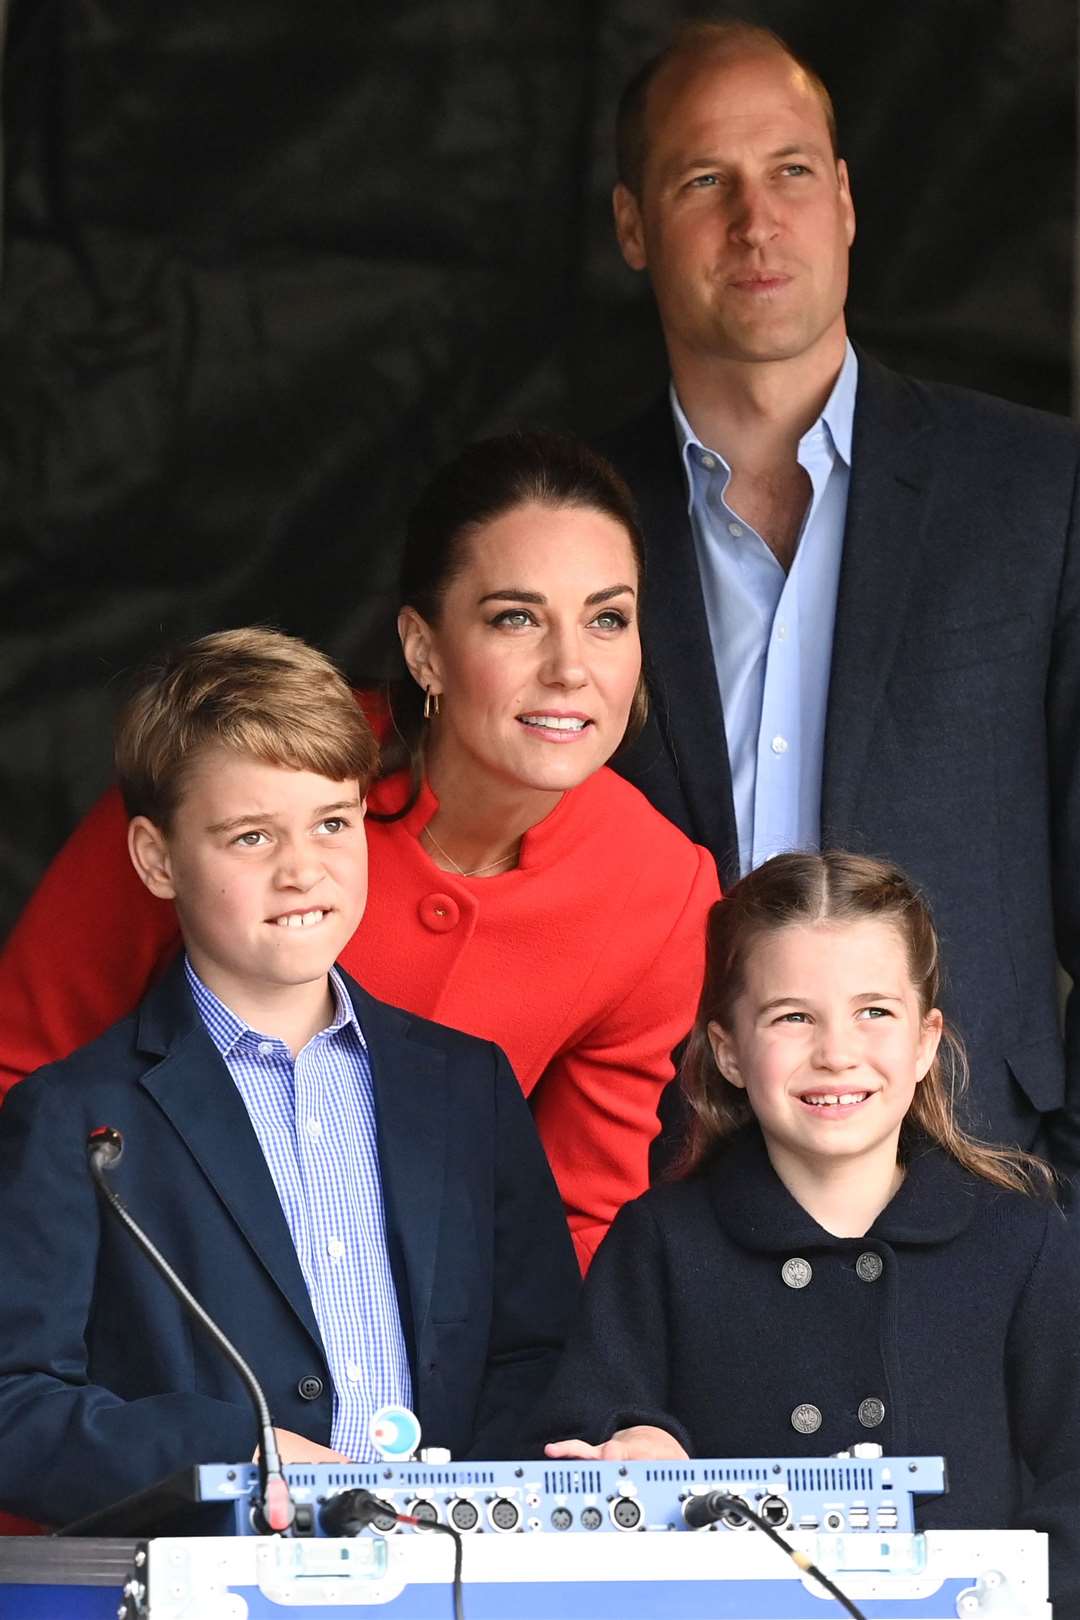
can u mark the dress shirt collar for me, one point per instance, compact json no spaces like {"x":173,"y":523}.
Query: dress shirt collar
{"x":837,"y":417}
{"x":226,"y":1028}
{"x":935,"y":1200}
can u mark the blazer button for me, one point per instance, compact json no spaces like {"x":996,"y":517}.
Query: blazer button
{"x":796,"y":1273}
{"x":309,"y":1389}
{"x":871,"y":1412}
{"x":806,"y":1419}
{"x":869,"y":1266}
{"x":439,"y":912}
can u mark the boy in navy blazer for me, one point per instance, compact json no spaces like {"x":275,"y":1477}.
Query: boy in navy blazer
{"x":356,"y":1195}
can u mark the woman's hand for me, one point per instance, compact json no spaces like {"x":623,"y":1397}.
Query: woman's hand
{"x":643,"y":1442}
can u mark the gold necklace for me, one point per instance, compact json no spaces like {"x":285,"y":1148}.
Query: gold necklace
{"x":477,"y":871}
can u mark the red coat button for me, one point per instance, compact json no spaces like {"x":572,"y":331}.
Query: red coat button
{"x":440,"y":913}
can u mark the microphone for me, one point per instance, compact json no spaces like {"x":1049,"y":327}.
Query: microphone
{"x":274,"y":1507}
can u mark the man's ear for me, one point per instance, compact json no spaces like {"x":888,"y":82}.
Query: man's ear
{"x":149,"y":851}
{"x":724,"y":1052}
{"x":843,"y":180}
{"x":418,"y":648}
{"x":629,"y":229}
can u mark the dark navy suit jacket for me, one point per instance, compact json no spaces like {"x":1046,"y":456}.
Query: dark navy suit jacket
{"x":106,"y":1386}
{"x":952,"y":739}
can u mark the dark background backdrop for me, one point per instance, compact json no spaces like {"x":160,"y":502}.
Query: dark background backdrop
{"x":265,"y":264}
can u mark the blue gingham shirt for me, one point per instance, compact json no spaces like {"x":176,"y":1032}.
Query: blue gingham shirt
{"x":772,"y":631}
{"x":315,"y":1121}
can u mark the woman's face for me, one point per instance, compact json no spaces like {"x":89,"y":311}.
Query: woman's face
{"x":536,"y":654}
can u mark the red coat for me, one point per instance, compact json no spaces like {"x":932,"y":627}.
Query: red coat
{"x":584,"y":964}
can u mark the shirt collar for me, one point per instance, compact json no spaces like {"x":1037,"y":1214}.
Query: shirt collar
{"x":837,"y":417}
{"x":935,"y":1201}
{"x":226,"y":1028}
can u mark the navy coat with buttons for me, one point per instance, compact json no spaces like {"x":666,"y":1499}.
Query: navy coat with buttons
{"x":964,"y":1341}
{"x":105,"y":1384}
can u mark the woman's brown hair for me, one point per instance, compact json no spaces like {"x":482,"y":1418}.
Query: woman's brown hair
{"x":833,"y":888}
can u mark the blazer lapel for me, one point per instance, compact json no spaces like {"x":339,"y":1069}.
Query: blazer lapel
{"x":195,"y":1091}
{"x":411,"y":1107}
{"x":883,"y":538}
{"x":678,"y":648}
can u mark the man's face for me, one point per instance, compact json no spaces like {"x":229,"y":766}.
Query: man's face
{"x":745,"y":218}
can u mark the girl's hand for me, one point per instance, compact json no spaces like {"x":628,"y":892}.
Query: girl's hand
{"x":642,"y":1442}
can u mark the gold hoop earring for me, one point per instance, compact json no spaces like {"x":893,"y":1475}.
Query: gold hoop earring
{"x":431,"y":703}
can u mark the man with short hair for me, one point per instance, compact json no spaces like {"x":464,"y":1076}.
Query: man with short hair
{"x":862,"y":590}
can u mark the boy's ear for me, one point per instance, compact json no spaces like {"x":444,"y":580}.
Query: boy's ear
{"x":724,"y":1053}
{"x":417,"y":645}
{"x":149,"y":851}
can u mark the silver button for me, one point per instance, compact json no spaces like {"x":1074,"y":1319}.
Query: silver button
{"x":869,"y":1266}
{"x":806,"y":1419}
{"x":335,"y":1248}
{"x":736,"y":530}
{"x":779,"y":745}
{"x":796,"y":1273}
{"x":871,"y":1412}
{"x":707,"y":461}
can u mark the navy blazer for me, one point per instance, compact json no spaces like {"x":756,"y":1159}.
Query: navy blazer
{"x":952,"y":1327}
{"x":952,"y":740}
{"x":106,"y":1385}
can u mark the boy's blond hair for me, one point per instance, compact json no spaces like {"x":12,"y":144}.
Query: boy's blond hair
{"x":256,"y":691}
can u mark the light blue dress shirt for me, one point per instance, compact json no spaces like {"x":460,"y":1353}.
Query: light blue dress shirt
{"x":772,"y":632}
{"x":315,"y":1121}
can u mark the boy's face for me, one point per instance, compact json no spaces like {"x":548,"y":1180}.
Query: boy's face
{"x":268,"y":869}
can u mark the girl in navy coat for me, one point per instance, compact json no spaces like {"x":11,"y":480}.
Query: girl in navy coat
{"x":839,"y":1260}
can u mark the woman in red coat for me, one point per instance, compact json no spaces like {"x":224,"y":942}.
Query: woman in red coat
{"x":519,"y":890}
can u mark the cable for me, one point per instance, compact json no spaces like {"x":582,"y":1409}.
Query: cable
{"x":801,"y":1560}
{"x":446,"y":1530}
{"x":348,"y":1512}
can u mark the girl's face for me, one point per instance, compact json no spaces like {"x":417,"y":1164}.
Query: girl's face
{"x":828,"y":1041}
{"x":536,"y":653}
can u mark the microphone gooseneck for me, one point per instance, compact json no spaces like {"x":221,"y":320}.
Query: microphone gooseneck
{"x":274,"y":1508}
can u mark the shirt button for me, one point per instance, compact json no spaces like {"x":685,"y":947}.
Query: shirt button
{"x":871,"y":1412}
{"x":796,"y":1273}
{"x":439,"y":912}
{"x":806,"y":1419}
{"x":707,"y":461}
{"x":779,"y":745}
{"x":354,"y":1372}
{"x":781,"y":632}
{"x":309,"y":1389}
{"x":335,"y":1248}
{"x":869,"y":1266}
{"x":736,"y":529}
{"x":314,"y":1127}
{"x":265,"y":1048}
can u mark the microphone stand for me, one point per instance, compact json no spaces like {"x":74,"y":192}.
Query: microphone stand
{"x":274,"y":1507}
